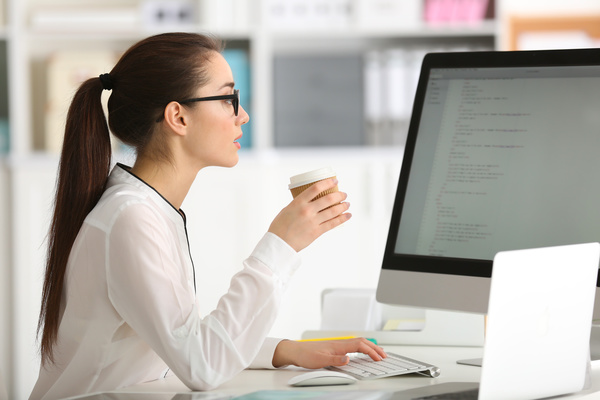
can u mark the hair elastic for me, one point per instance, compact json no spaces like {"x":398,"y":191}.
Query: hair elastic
{"x":106,"y":81}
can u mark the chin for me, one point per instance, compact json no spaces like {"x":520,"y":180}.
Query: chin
{"x":233,"y":162}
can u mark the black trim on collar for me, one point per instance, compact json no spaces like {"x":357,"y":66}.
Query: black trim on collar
{"x":127,"y":169}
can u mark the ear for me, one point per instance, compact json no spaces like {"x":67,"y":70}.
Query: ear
{"x":176,"y":118}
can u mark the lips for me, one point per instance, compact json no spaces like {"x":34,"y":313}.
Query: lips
{"x":237,"y":144}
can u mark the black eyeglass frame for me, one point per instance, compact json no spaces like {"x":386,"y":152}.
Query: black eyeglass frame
{"x":235,"y":101}
{"x":235,"y":97}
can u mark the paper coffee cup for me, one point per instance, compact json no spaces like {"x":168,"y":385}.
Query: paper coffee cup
{"x":299,"y":183}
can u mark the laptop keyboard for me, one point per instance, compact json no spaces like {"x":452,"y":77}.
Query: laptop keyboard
{"x":361,"y":366}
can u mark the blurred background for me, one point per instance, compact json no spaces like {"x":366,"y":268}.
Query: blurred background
{"x":326,"y":83}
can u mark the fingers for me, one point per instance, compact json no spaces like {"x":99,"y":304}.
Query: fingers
{"x":304,"y":220}
{"x":328,"y":191}
{"x":319,"y":354}
{"x":360,"y":345}
{"x":328,"y":207}
{"x":325,"y":202}
{"x":320,"y":186}
{"x":334,"y":210}
{"x":372,"y":350}
{"x":338,"y":361}
{"x":329,"y":200}
{"x":369,"y":348}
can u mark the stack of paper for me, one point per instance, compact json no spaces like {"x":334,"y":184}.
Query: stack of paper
{"x":226,"y":15}
{"x":388,"y":14}
{"x":85,"y":19}
{"x":302,"y":14}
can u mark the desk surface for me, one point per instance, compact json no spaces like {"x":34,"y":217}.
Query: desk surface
{"x":443,"y":357}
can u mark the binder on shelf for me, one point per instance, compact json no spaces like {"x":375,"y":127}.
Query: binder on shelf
{"x":390,"y":81}
{"x":239,"y":62}
{"x":399,"y":93}
{"x":4,"y":125}
{"x":66,"y":70}
{"x":318,"y":100}
{"x":4,"y":136}
{"x":374,"y":98}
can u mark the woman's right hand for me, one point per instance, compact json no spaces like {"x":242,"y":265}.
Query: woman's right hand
{"x":304,"y":220}
{"x":323,"y":353}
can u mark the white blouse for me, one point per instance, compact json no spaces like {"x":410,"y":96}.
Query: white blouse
{"x":130,"y":313}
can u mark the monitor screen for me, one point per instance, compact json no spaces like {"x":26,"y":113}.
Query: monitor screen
{"x":502,"y":154}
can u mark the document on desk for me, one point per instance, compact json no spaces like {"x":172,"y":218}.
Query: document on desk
{"x":318,"y":395}
{"x":258,"y":395}
{"x":152,"y":396}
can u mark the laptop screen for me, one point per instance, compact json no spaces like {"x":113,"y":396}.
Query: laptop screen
{"x":502,"y":154}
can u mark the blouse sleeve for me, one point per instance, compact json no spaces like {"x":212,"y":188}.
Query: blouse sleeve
{"x":150,"y":290}
{"x":264,"y":358}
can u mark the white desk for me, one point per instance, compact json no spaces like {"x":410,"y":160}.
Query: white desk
{"x":443,"y":357}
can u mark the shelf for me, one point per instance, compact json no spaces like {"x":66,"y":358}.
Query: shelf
{"x":42,"y":35}
{"x":420,"y":30}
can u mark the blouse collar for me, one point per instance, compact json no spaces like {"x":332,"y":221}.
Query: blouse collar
{"x":121,"y":173}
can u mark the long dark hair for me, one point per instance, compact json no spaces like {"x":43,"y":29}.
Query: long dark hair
{"x":152,"y":73}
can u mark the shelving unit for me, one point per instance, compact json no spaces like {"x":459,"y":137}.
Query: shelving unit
{"x":30,"y":46}
{"x":27,"y":171}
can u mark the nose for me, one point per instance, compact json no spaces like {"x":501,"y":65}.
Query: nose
{"x":243,"y":116}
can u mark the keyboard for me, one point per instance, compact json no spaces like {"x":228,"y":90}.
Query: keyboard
{"x":361,"y":366}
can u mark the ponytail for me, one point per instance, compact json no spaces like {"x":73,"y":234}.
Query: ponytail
{"x":82,"y":174}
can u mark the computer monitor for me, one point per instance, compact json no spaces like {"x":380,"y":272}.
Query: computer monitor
{"x":502,"y":153}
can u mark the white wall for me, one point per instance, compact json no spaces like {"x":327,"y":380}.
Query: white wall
{"x":550,"y":7}
{"x":31,"y":194}
{"x":5,"y":287}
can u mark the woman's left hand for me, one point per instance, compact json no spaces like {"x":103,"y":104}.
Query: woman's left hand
{"x":323,"y":353}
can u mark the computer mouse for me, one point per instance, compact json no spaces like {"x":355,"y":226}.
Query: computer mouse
{"x":321,"y":378}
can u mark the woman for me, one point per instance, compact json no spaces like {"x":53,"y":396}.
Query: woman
{"x":118,"y":304}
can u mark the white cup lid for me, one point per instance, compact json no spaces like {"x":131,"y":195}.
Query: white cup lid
{"x":311,"y":176}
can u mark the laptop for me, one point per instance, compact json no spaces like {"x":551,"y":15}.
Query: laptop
{"x":538,"y":330}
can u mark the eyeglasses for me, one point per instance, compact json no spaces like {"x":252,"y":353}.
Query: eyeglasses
{"x":235,"y":101}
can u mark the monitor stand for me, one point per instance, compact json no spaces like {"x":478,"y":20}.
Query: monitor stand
{"x":595,"y":343}
{"x":474,"y":362}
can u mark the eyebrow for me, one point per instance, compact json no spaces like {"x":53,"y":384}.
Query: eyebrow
{"x":228,"y":84}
